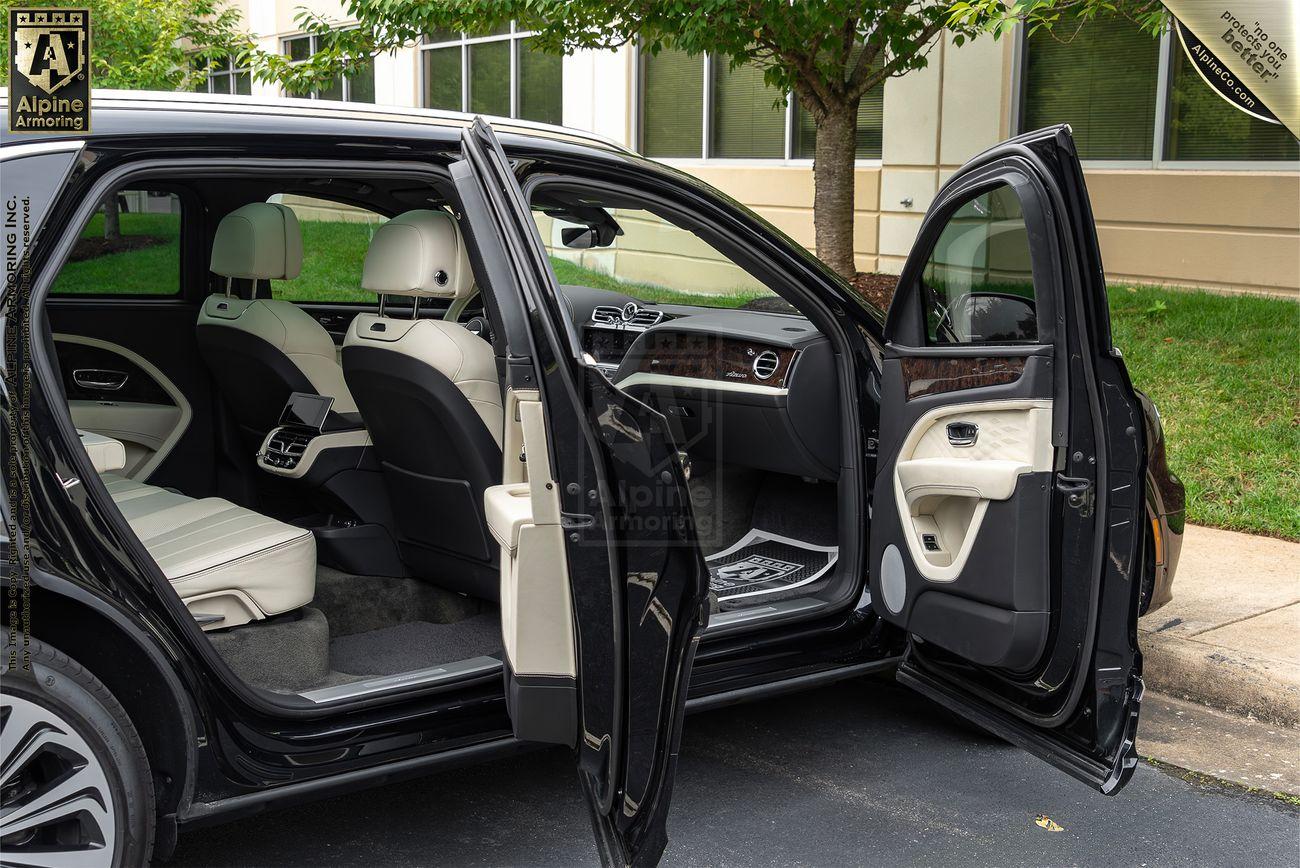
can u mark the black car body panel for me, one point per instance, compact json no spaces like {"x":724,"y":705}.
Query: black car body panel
{"x":231,"y":751}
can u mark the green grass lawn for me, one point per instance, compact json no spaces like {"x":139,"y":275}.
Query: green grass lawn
{"x":150,"y":271}
{"x":1225,"y":371}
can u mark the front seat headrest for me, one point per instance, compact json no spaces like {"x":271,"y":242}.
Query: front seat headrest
{"x":419,"y":253}
{"x":260,"y":241}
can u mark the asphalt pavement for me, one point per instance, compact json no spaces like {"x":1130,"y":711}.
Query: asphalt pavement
{"x":861,"y":773}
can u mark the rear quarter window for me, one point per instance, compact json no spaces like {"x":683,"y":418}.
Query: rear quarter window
{"x":129,"y":246}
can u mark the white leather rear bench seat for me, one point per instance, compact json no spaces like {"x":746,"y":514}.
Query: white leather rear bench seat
{"x":223,"y":560}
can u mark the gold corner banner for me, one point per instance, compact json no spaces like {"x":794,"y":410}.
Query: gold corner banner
{"x":1247,"y":52}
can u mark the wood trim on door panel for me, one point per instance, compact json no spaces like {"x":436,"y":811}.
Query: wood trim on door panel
{"x":935,"y":376}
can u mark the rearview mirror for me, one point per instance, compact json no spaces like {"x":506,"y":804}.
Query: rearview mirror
{"x":579,"y":237}
{"x":992,"y":317}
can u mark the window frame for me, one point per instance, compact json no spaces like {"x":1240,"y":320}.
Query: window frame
{"x":1160,"y":118}
{"x":186,"y":254}
{"x":314,"y":46}
{"x":514,"y":36}
{"x":706,"y":131}
{"x":229,"y":75}
{"x":1031,"y":218}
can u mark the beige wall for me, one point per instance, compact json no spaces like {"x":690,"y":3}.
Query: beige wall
{"x":1225,"y":229}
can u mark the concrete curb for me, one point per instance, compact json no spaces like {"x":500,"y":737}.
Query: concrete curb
{"x":1221,"y":678}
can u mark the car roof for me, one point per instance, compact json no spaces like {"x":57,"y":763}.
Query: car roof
{"x":133,"y":112}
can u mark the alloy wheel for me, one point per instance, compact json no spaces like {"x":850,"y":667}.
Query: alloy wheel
{"x":56,"y":805}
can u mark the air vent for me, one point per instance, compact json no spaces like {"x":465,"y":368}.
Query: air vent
{"x":645,"y":318}
{"x":765,"y":364}
{"x":606,"y":315}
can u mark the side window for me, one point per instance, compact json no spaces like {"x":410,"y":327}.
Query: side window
{"x":978,"y":284}
{"x":335,"y":237}
{"x":130,"y":246}
{"x":638,"y":253}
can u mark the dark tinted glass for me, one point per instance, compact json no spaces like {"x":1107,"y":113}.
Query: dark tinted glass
{"x":361,"y":84}
{"x":1102,"y":82}
{"x":978,"y":281}
{"x":1203,"y":126}
{"x":298,"y":48}
{"x":442,"y":78}
{"x":541,"y":85}
{"x":131,"y":246}
{"x":747,"y":121}
{"x":673,"y":105}
{"x":489,"y":78}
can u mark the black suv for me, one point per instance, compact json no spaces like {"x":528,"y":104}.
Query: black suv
{"x":344,"y":444}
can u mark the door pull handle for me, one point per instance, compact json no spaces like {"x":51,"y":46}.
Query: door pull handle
{"x":963,"y":433}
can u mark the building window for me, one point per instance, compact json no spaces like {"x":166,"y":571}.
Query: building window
{"x":1102,"y":82}
{"x":1202,"y":126}
{"x":743,"y":117}
{"x":225,"y":77}
{"x":495,"y":73}
{"x":672,"y":104}
{"x":358,"y":87}
{"x":1106,"y":83}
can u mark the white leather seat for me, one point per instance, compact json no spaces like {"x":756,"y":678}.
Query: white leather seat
{"x":260,"y":350}
{"x":223,"y":560}
{"x":429,"y":392}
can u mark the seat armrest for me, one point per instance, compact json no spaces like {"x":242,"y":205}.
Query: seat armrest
{"x":508,"y":509}
{"x":105,"y":453}
{"x":960,"y":477}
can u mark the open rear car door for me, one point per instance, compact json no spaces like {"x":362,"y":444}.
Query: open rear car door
{"x":603,"y":590}
{"x":1007,"y":507}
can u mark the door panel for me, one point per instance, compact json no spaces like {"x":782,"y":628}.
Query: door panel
{"x":1001,"y":535}
{"x":115,"y":392}
{"x":524,"y":516}
{"x":637,"y":579}
{"x":162,"y":412}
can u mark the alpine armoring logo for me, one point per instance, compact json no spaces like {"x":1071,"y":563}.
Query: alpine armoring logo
{"x":49,"y":70}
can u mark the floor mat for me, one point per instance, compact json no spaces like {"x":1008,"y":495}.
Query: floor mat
{"x":764,"y":563}
{"x":416,"y":645}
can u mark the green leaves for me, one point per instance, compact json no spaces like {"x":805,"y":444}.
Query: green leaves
{"x":152,"y":44}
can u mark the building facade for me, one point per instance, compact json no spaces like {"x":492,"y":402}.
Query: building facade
{"x":1186,"y":190}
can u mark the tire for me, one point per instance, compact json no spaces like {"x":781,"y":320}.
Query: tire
{"x":70,"y":736}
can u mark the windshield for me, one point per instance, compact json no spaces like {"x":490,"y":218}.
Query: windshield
{"x":638,"y":253}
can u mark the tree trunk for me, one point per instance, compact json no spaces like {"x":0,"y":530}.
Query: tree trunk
{"x":112,"y":225}
{"x":833,"y":182}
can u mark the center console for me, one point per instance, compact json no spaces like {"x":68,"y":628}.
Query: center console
{"x":307,"y":430}
{"x":329,"y":462}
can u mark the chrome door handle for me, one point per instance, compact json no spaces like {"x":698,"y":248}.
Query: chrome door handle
{"x":963,"y":433}
{"x":99,"y":379}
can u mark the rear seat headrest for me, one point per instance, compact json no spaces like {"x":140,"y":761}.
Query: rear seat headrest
{"x":418,"y":253}
{"x":260,"y":241}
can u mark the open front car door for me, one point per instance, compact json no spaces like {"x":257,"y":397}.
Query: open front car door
{"x":603,"y":588}
{"x":1007,"y":505}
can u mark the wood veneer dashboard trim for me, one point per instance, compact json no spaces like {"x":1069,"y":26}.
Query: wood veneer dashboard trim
{"x":682,"y":355}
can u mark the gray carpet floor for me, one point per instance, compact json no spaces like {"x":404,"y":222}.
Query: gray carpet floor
{"x":416,"y":645}
{"x":359,"y":627}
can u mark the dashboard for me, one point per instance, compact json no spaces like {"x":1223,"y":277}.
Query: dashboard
{"x":754,"y":388}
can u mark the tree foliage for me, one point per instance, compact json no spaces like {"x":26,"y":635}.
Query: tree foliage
{"x":828,"y":53}
{"x":151,"y":44}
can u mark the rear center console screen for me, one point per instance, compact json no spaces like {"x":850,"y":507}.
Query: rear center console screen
{"x":608,"y":346}
{"x":306,"y":411}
